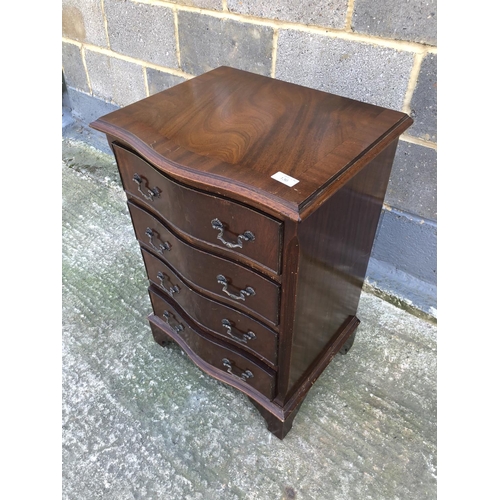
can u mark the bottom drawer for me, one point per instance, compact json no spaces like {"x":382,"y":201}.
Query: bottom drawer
{"x":240,"y":368}
{"x":211,"y":315}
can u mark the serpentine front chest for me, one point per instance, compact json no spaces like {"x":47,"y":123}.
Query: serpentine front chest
{"x":255,"y":203}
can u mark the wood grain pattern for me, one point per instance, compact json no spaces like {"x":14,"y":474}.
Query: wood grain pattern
{"x":214,"y":353}
{"x":190,"y":213}
{"x":335,"y":245}
{"x":212,"y":316}
{"x":210,"y":146}
{"x":200,"y":269}
{"x":235,"y":129}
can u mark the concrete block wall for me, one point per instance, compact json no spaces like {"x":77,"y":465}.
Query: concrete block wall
{"x":115,"y":52}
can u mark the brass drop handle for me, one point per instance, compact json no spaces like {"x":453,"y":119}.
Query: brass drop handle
{"x":245,"y":336}
{"x":247,"y":292}
{"x":168,"y":318}
{"x":151,"y":193}
{"x":171,"y":290}
{"x":162,"y":245}
{"x":245,"y":375}
{"x":246,"y":236}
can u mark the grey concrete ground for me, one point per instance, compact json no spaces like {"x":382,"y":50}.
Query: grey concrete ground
{"x":142,"y":422}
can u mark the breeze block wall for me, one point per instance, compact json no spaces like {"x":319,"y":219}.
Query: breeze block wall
{"x":384,"y":52}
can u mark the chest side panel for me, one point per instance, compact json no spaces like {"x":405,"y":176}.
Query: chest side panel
{"x":335,"y":246}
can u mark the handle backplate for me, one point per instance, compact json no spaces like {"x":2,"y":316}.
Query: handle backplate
{"x":245,"y":375}
{"x":150,"y":194}
{"x":247,"y":292}
{"x":246,"y":236}
{"x":171,"y":290}
{"x":244,"y":336}
{"x":162,"y":246}
{"x":168,"y":318}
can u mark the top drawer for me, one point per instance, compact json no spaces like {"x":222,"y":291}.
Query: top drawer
{"x":233,"y":229}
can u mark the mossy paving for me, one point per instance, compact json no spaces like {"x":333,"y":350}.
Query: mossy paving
{"x":142,"y":422}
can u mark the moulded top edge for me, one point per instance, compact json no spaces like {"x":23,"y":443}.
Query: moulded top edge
{"x":271,"y":143}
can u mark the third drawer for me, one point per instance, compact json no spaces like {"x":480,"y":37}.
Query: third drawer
{"x":220,"y":320}
{"x":220,"y":278}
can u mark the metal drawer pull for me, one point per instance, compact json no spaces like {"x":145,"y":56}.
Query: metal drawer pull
{"x":151,"y":193}
{"x":246,"y":336}
{"x":246,"y":236}
{"x":162,"y":246}
{"x":244,"y":375}
{"x":177,"y":328}
{"x":171,"y":290}
{"x":243,"y":293}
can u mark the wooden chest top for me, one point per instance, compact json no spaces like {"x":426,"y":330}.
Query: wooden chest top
{"x":231,"y":127}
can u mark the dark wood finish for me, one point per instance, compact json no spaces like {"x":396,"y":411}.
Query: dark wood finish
{"x":191,"y":212}
{"x":291,"y":254}
{"x":300,"y":389}
{"x":210,"y":145}
{"x":235,"y":129}
{"x":200,"y":269}
{"x":348,"y":344}
{"x":218,"y":319}
{"x":239,"y":370}
{"x":279,"y":426}
{"x":334,"y":254}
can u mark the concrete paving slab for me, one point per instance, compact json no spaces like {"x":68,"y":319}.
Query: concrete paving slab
{"x":143,"y":422}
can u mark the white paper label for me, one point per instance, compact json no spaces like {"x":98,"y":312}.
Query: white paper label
{"x":284,"y":179}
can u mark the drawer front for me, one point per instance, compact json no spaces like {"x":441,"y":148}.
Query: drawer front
{"x":230,"y":228}
{"x":220,"y":320}
{"x":217,"y":354}
{"x":224,"y":280}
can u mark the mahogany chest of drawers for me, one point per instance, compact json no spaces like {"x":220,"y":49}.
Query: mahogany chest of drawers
{"x":255,"y":203}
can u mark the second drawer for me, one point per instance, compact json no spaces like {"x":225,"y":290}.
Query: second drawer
{"x":225,"y":280}
{"x":220,"y":320}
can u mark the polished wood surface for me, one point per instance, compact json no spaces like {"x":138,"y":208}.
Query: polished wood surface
{"x":334,"y":255}
{"x":219,"y":319}
{"x":191,"y":212}
{"x":164,"y":335}
{"x":229,"y":130}
{"x":201,"y":269}
{"x":207,"y":149}
{"x":219,"y":355}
